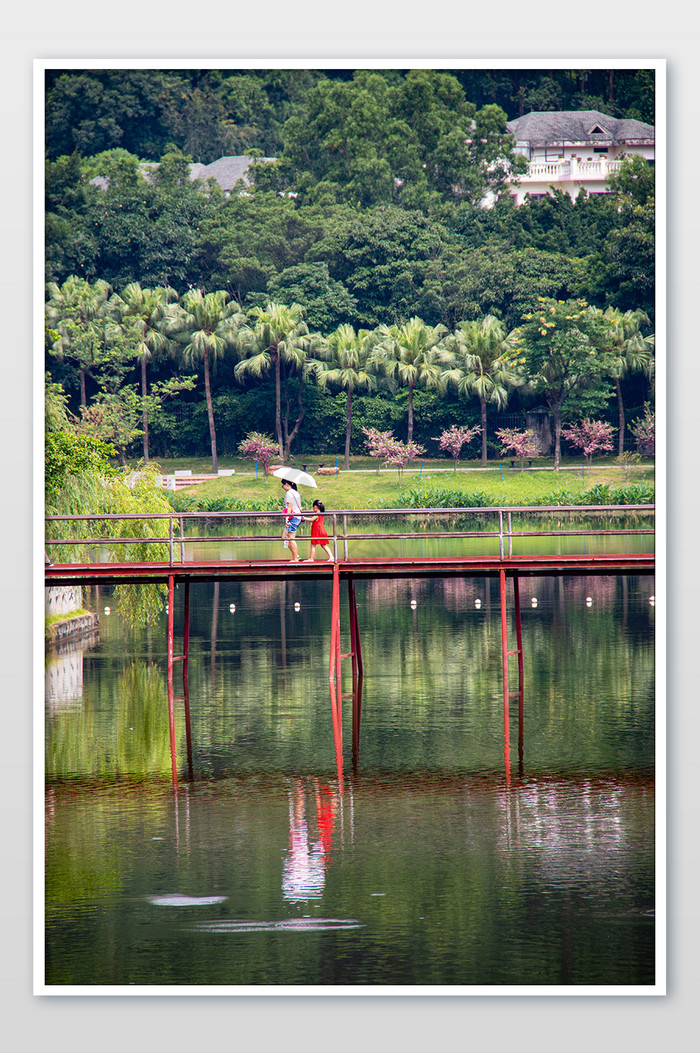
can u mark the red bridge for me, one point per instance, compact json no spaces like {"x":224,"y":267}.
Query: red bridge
{"x":180,"y":567}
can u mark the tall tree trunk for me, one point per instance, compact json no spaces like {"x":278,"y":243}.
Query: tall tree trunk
{"x":83,"y":397}
{"x":278,"y":403}
{"x":556,"y":414}
{"x":210,"y":412}
{"x":348,"y":429}
{"x":144,"y":393}
{"x":484,"y":446}
{"x":620,"y":418}
{"x":289,"y":437}
{"x":410,"y":412}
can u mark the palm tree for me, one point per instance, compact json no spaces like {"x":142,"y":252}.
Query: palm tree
{"x":278,"y":340}
{"x":76,"y":310}
{"x":481,"y":369}
{"x":632,"y":353}
{"x":145,"y":309}
{"x":346,"y":354}
{"x":207,"y":326}
{"x":414,"y":354}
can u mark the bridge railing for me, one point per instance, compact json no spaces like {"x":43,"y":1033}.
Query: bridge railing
{"x":346,"y":526}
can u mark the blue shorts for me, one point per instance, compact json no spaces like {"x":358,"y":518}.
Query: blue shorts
{"x":292,"y":524}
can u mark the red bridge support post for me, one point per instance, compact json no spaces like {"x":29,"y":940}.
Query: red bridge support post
{"x":334,"y":676}
{"x":357,"y":670}
{"x":186,"y":633}
{"x":171,"y":699}
{"x":506,"y":694}
{"x":521,"y":673}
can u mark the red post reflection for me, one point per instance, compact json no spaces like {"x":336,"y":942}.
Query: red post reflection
{"x":311,"y":826}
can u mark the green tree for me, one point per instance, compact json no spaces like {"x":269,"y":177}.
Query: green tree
{"x":628,"y":255}
{"x":247,"y":241}
{"x":380,"y":256}
{"x":413,"y":354}
{"x":559,"y":349}
{"x":277,"y":340}
{"x":383,"y":138}
{"x":630,"y":352}
{"x":482,"y":367}
{"x":77,"y":311}
{"x":70,"y":246}
{"x":94,"y":110}
{"x":146,"y":219}
{"x":145,"y":310}
{"x":346,"y":354}
{"x":327,"y":303}
{"x":206,"y":326}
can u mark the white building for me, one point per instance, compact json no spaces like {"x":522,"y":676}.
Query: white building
{"x":573,"y":150}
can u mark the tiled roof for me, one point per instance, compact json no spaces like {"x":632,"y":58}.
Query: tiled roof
{"x":578,"y":126}
{"x":226,"y":171}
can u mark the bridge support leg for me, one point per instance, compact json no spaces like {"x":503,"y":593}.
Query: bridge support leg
{"x":506,"y":694}
{"x":188,"y":725}
{"x":186,"y":634}
{"x":354,"y":630}
{"x":171,"y":698}
{"x":356,"y":651}
{"x":504,"y":638}
{"x":334,"y":675}
{"x":521,"y":674}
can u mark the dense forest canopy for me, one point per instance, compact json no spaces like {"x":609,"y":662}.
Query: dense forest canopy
{"x":209,"y":113}
{"x":370,"y":214}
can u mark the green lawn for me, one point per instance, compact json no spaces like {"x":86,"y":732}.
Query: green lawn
{"x":363,"y":486}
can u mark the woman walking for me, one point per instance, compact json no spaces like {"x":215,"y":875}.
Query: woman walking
{"x":292,"y":511}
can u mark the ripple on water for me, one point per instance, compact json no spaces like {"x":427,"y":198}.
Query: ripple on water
{"x":174,"y":899}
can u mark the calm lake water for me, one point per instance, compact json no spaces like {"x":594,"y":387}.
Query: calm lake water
{"x":449,"y":850}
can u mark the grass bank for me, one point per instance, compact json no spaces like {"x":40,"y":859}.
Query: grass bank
{"x":363,"y":487}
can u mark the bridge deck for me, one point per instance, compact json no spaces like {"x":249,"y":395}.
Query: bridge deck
{"x":280,"y":570}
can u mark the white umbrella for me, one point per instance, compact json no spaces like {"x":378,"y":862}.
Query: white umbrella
{"x":295,"y":475}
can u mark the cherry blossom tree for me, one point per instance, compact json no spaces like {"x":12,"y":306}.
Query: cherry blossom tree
{"x":644,"y":430}
{"x":590,"y":436}
{"x":378,"y":444}
{"x":453,"y":439}
{"x":402,"y":453}
{"x":517,"y":444}
{"x":383,"y":446}
{"x":259,"y":447}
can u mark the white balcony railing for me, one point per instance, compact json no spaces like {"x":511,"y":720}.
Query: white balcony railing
{"x":571,"y":169}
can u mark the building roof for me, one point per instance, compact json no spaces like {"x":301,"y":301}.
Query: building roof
{"x":578,"y":126}
{"x":226,"y":170}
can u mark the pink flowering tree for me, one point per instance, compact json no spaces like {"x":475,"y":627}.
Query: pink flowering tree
{"x":378,"y":444}
{"x":453,"y":439}
{"x":517,"y":444}
{"x":644,"y":431}
{"x":402,"y":453}
{"x":259,"y":447}
{"x":383,"y":446}
{"x":590,"y":436}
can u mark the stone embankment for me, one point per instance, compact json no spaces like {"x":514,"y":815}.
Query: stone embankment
{"x":66,"y":619}
{"x":71,"y":627}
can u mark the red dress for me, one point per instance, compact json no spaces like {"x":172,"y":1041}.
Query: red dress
{"x":318,"y":532}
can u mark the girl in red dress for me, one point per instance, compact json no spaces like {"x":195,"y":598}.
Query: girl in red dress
{"x":319,"y":535}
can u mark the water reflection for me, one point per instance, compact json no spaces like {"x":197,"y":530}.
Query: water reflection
{"x":63,"y":675}
{"x":416,"y":866}
{"x":431,"y":879}
{"x":309,"y":852}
